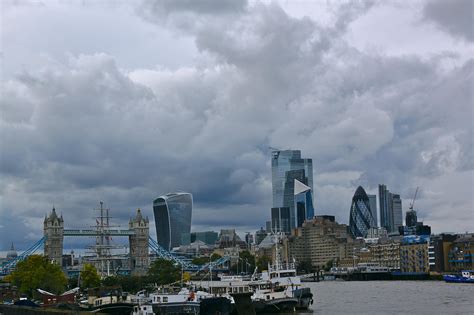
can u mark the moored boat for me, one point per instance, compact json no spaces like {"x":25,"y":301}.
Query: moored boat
{"x":467,"y":276}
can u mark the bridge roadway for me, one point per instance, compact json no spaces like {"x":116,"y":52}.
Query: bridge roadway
{"x":93,"y":232}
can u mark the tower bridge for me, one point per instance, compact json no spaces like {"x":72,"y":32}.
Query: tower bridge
{"x":140,"y":243}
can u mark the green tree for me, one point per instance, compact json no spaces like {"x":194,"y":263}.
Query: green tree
{"x":89,"y":277}
{"x":111,"y":281}
{"x":304,"y":266}
{"x":200,"y":260}
{"x":163,"y":271}
{"x":38,"y":272}
{"x":329,"y":265}
{"x":262,"y":263}
{"x":215,"y":256}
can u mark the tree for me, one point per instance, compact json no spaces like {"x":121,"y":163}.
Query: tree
{"x":163,"y":271}
{"x":89,"y":277}
{"x":262,"y":263}
{"x":38,"y":272}
{"x":246,"y":263}
{"x":304,"y":266}
{"x":200,"y":260}
{"x":215,"y":256}
{"x":329,"y":265}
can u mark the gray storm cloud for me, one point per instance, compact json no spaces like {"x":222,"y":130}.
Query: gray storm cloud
{"x":84,"y":130}
{"x":454,"y":17}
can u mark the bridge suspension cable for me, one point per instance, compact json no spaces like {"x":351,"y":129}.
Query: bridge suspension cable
{"x":163,"y":253}
{"x":10,"y":266}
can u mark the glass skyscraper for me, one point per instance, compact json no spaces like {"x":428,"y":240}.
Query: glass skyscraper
{"x":287,"y":165}
{"x":281,"y":220}
{"x":360,"y":218}
{"x":385,"y":205}
{"x":172,"y":218}
{"x":391,"y":216}
{"x":304,"y":203}
{"x":373,"y":207}
{"x":397,"y":212}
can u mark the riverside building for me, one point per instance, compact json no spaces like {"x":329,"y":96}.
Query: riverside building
{"x":319,"y":241}
{"x":414,"y":256}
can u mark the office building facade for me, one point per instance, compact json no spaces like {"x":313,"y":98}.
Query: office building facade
{"x":390,"y":206}
{"x":411,"y":218}
{"x":288,"y":166}
{"x":319,"y":241}
{"x":360,"y":218}
{"x":397,"y":212}
{"x":303,"y":202}
{"x":385,"y":205}
{"x":373,"y":208}
{"x":173,"y":213}
{"x":281,"y":220}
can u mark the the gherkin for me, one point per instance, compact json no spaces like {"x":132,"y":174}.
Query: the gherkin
{"x":361,"y":219}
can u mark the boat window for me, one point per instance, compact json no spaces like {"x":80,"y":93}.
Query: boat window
{"x":165,"y":299}
{"x":158,"y":299}
{"x":144,"y":308}
{"x":268,"y":297}
{"x":241,"y":290}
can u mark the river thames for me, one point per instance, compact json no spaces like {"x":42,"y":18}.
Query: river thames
{"x":392,"y":297}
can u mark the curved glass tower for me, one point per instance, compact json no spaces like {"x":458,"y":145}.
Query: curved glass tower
{"x":360,"y":219}
{"x":172,"y":218}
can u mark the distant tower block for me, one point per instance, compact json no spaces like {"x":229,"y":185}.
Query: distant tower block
{"x":54,"y":235}
{"x":139,"y":244}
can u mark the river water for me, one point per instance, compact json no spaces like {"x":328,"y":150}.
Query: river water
{"x":392,"y":297}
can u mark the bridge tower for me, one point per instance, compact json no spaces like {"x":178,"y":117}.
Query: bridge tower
{"x":54,"y":236}
{"x":139,"y":258}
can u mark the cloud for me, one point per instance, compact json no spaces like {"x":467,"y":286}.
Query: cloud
{"x":454,"y":17}
{"x":82,"y":130}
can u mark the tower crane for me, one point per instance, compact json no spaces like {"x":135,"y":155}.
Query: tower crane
{"x":414,"y":198}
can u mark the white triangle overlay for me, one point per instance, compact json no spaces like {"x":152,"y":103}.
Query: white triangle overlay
{"x":300,"y":187}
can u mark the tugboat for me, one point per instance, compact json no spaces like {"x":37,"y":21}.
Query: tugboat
{"x":467,"y":276}
{"x":273,"y":300}
{"x":284,"y":276}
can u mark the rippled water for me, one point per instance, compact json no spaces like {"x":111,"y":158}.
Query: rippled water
{"x":392,"y":297}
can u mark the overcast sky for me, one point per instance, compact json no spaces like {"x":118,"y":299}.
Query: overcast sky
{"x":122,"y":102}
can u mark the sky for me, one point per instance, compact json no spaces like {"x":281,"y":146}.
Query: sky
{"x":123,"y":101}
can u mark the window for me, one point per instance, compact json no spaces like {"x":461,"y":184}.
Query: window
{"x":165,"y":299}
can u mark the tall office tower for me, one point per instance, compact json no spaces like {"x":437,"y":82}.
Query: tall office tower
{"x":385,"y":207}
{"x":360,"y":218}
{"x":373,"y":207}
{"x":287,"y":166}
{"x":410,"y":218}
{"x":391,"y":217}
{"x":397,"y":212}
{"x":281,"y":220}
{"x":172,"y":218}
{"x":303,"y":203}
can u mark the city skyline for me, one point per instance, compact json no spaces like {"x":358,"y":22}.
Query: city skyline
{"x":123,"y":102}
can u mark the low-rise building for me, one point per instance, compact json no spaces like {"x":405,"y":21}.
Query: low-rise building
{"x":386,"y":254}
{"x":461,"y":253}
{"x":414,"y":254}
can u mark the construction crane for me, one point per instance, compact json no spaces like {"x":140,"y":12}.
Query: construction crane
{"x":413,"y":201}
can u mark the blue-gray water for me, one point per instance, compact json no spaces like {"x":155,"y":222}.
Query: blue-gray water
{"x":392,"y":297}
